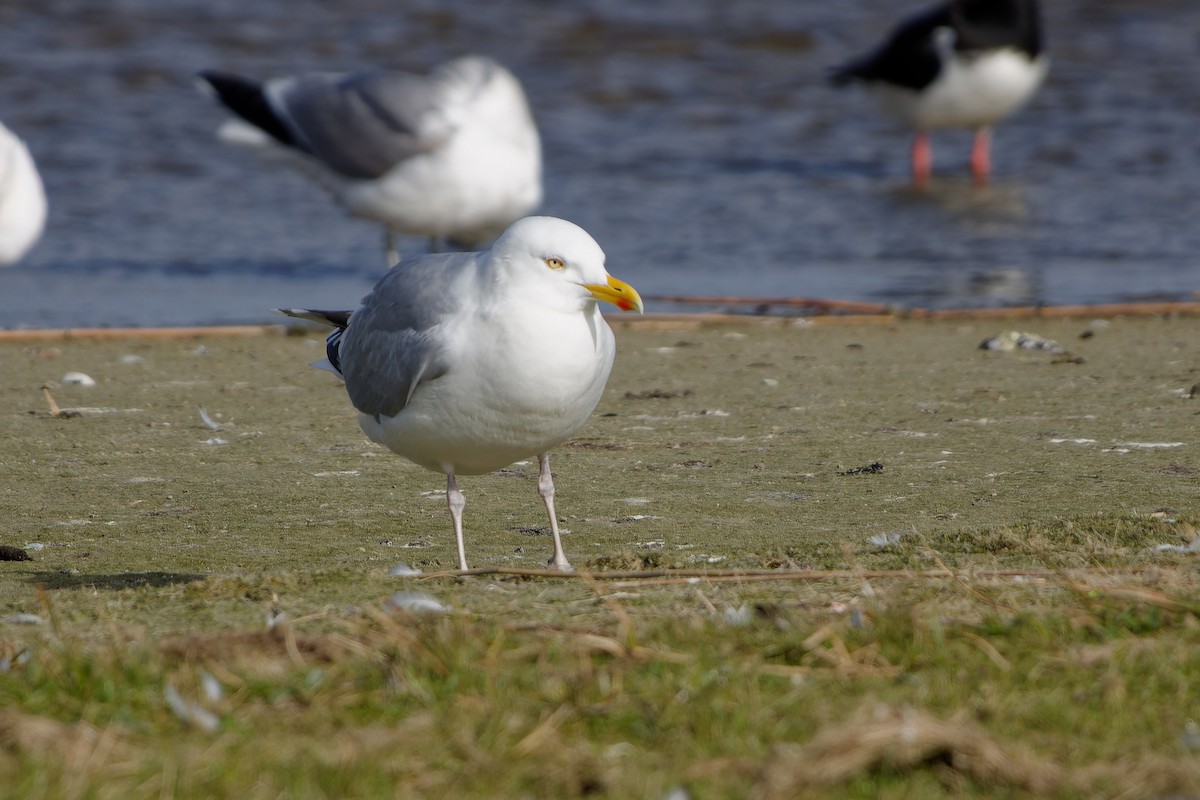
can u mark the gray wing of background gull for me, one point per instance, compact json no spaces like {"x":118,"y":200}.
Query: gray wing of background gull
{"x":364,"y":123}
{"x":397,"y":340}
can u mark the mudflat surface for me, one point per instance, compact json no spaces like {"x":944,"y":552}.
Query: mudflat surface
{"x":737,"y":446}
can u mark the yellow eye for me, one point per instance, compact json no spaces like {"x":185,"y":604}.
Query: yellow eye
{"x":555,"y":263}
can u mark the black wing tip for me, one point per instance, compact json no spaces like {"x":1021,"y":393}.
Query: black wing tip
{"x":245,"y":98}
{"x":336,"y":319}
{"x":225,"y":84}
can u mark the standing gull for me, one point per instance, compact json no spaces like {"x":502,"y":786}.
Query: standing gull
{"x":22,"y":199}
{"x":454,"y":155}
{"x":964,"y":64}
{"x":466,"y":362}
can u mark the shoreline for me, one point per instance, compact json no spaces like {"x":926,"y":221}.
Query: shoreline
{"x":665,"y":320}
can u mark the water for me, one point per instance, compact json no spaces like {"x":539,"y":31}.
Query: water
{"x":697,"y":141}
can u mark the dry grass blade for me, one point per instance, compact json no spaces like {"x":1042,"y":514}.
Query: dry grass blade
{"x":1149,"y":598}
{"x":592,"y":641}
{"x":988,"y":649}
{"x":540,"y":736}
{"x":961,"y":581}
{"x":625,"y":627}
{"x":1089,"y":592}
{"x":76,"y":745}
{"x":44,"y":600}
{"x":827,"y":645}
{"x":614,"y":648}
{"x":271,"y":651}
{"x":902,"y":738}
{"x":55,"y":411}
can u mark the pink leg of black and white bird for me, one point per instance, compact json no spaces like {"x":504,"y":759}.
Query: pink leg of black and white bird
{"x":981,"y":162}
{"x":922,"y":159}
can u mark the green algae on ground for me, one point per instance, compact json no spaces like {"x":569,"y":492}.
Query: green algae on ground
{"x":162,"y":546}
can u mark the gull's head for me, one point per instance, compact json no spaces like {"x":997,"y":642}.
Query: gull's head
{"x":558,"y":260}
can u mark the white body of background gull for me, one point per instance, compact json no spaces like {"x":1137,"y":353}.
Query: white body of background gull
{"x":454,"y":155}
{"x":466,"y":362}
{"x":22,"y":199}
{"x":964,"y":64}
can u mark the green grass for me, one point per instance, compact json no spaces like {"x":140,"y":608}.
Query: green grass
{"x":357,"y":702}
{"x":1016,"y":635}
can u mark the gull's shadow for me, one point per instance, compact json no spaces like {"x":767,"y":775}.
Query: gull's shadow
{"x":124,"y":580}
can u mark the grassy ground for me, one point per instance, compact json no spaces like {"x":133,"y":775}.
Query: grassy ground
{"x":986,"y":614}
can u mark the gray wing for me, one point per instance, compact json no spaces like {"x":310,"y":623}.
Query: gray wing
{"x":360,"y":125}
{"x":398,"y":339}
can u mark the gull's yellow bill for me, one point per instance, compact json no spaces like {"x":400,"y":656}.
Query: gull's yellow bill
{"x":617,"y":292}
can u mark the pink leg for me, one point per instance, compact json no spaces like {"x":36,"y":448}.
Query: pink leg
{"x":456,"y":501}
{"x":981,"y":162}
{"x":546,"y":490}
{"x":922,"y":159}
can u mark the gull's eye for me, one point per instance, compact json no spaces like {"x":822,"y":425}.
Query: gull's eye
{"x":555,"y":263}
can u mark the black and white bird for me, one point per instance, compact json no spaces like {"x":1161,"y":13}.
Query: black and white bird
{"x":22,"y":199}
{"x":454,"y":155}
{"x":466,"y":362}
{"x":963,"y":64}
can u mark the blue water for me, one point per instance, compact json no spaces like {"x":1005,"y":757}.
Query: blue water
{"x":697,"y":141}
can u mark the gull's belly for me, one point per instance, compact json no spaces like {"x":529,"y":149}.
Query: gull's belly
{"x":464,"y":187}
{"x":490,"y":411}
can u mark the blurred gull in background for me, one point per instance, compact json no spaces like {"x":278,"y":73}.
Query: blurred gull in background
{"x":466,"y":362}
{"x":22,"y":199}
{"x":964,"y":64}
{"x":454,"y":155}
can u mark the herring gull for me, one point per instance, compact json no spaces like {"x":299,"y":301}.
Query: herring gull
{"x":454,"y":155}
{"x":466,"y":362}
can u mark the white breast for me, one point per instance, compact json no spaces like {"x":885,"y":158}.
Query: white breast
{"x":529,"y":385}
{"x":972,"y":91}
